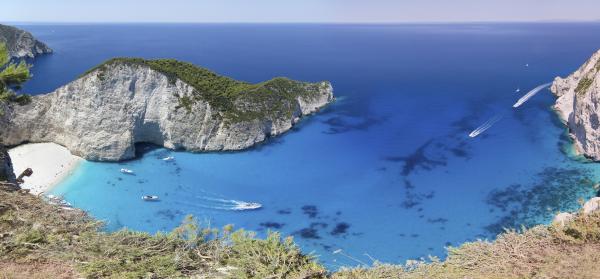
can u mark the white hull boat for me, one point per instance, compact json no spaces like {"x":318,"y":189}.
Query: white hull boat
{"x":150,"y":198}
{"x":127,"y":171}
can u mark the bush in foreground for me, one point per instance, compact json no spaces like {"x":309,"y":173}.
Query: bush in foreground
{"x":40,"y":240}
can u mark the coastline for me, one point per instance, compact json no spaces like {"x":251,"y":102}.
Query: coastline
{"x":50,"y":162}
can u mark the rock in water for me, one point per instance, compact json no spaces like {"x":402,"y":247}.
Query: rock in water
{"x":101,"y":115}
{"x":578,"y":106}
{"x":21,"y":43}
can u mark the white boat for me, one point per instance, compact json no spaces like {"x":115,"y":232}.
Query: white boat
{"x":170,"y":158}
{"x":518,"y":90}
{"x":530,"y":94}
{"x":126,"y":171}
{"x":150,"y":198}
{"x":241,"y":205}
{"x":488,"y":124}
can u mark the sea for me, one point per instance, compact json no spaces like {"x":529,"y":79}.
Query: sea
{"x":388,"y":172}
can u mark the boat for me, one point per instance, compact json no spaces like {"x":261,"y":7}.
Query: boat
{"x":530,"y":94}
{"x":126,"y":171}
{"x":488,"y":124}
{"x":241,"y":205}
{"x":150,"y":198}
{"x":170,"y":158}
{"x":518,"y":90}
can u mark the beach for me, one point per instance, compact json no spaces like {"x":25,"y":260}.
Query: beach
{"x":50,"y":162}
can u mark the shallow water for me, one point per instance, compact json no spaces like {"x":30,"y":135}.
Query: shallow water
{"x":388,"y":171}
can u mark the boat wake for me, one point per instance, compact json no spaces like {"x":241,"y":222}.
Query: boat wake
{"x":530,"y":94}
{"x":224,"y":204}
{"x":488,"y":124}
{"x":231,"y":204}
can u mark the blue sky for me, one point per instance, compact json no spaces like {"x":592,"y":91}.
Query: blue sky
{"x":373,"y":11}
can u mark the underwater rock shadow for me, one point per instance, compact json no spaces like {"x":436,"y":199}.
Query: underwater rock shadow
{"x":272,"y":225}
{"x":338,"y":125}
{"x":354,"y":114}
{"x":553,"y":190}
{"x":169,"y":214}
{"x":417,"y":159}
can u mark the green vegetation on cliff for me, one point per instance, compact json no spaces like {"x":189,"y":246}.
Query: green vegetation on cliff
{"x":236,"y":100}
{"x":40,"y":240}
{"x":12,"y":75}
{"x":583,"y":85}
{"x":34,"y":233}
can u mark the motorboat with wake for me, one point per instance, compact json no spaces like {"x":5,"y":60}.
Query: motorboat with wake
{"x":242,"y":205}
{"x":216,"y":203}
{"x":530,"y":94}
{"x":488,"y":124}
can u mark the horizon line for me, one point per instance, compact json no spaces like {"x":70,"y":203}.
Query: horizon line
{"x":305,"y":22}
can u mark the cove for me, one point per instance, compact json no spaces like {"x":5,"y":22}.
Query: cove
{"x":388,"y":171}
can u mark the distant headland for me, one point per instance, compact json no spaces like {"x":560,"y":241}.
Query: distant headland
{"x":20,"y":43}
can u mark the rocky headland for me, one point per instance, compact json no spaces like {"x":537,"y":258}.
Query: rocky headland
{"x":124,"y":101}
{"x":578,"y":106}
{"x":20,"y":43}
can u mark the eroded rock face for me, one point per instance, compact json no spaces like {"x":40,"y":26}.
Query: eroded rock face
{"x":103,"y":114}
{"x":6,"y":169}
{"x":20,"y":43}
{"x":578,"y":105}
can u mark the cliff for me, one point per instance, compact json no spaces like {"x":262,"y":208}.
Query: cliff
{"x":21,"y":43}
{"x":101,"y":115}
{"x":6,"y":169}
{"x":577,"y":104}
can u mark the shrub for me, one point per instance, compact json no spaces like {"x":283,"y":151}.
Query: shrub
{"x":583,"y":85}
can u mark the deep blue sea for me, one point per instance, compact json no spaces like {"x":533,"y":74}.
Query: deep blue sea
{"x":387,"y":171}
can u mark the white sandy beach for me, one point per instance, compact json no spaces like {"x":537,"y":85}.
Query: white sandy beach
{"x":51,"y":163}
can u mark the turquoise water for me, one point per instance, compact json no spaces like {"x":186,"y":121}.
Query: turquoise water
{"x":388,"y":170}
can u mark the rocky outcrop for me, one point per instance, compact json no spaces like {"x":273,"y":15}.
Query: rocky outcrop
{"x":20,"y":43}
{"x":6,"y":169}
{"x":578,"y":105}
{"x":101,"y":115}
{"x":591,"y":206}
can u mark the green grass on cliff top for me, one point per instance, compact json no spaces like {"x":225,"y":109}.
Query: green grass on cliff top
{"x":273,"y":98}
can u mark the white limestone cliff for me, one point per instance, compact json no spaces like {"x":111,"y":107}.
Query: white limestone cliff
{"x":101,"y":115}
{"x":578,"y":101}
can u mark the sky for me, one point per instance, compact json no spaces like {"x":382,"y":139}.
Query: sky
{"x":293,"y":11}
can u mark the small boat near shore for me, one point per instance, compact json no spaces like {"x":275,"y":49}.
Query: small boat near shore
{"x":127,"y":171}
{"x":150,"y":198}
{"x":168,"y":159}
